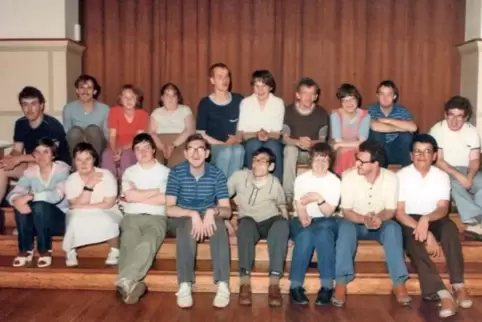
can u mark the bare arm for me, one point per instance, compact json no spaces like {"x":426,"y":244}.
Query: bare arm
{"x":378,"y":126}
{"x":107,"y":203}
{"x":474,"y":163}
{"x":17,"y":151}
{"x":172,"y":210}
{"x":353,"y":216}
{"x":349,"y":143}
{"x":403,"y":218}
{"x":189,"y":128}
{"x":224,"y":208}
{"x":82,"y":199}
{"x":210,"y":139}
{"x":153,"y":133}
{"x":112,"y":139}
{"x":401,"y":125}
{"x":442,"y":165}
{"x":441,"y":211}
{"x":386,"y":214}
{"x":138,"y":195}
{"x":249,"y":135}
{"x":289,"y":140}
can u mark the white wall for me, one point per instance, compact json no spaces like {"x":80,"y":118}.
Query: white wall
{"x":38,"y":18}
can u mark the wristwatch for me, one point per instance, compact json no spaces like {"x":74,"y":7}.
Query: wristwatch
{"x":88,"y":189}
{"x":320,"y":203}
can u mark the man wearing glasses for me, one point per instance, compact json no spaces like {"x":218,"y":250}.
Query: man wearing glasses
{"x":197,"y":203}
{"x":423,"y":206}
{"x":262,"y":215}
{"x":369,"y":196}
{"x":459,"y":156}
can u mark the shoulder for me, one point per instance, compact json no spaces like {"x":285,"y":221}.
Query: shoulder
{"x":184,"y":109}
{"x":277,"y":100}
{"x":162,"y":169}
{"x":389,"y":176}
{"x":374,"y":108}
{"x":106,"y":173}
{"x":276,"y":182}
{"x":62,"y":167}
{"x":404,"y":172}
{"x":130,"y":171}
{"x":71,"y":105}
{"x":248,"y":99}
{"x":102,"y":106}
{"x":470,"y":129}
{"x":239,"y":174}
{"x":400,"y":108}
{"x":141,"y":111}
{"x":52,"y":121}
{"x":115,"y":110}
{"x":334,"y":116}
{"x":237,"y":97}
{"x":304,"y":177}
{"x":439,"y":174}
{"x":157,"y":111}
{"x":214,"y":171}
{"x":320,"y":110}
{"x":349,"y":175}
{"x":333,"y":178}
{"x":437,"y":127}
{"x":204,"y":102}
{"x":21,"y":123}
{"x":179,"y":169}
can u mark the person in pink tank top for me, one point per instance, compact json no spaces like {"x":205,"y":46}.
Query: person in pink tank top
{"x":350,"y":126}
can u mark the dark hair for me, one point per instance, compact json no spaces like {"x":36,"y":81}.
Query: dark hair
{"x":346,"y":90}
{"x":267,"y":151}
{"x":85,"y":78}
{"x":197,"y":137}
{"x":324,"y":149}
{"x":390,"y":84}
{"x":173,"y":87}
{"x":137,"y":91}
{"x":459,"y":103}
{"x":31,"y":92}
{"x":144,"y":137}
{"x":308,"y":82}
{"x":377,"y":153}
{"x":48,"y":143}
{"x":89,"y":148}
{"x":266,"y":77}
{"x":425,"y":138}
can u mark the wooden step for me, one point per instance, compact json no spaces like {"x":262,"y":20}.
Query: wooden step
{"x":368,"y":251}
{"x":9,"y":218}
{"x":371,"y":278}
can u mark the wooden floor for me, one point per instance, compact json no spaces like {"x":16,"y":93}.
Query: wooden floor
{"x":92,"y":306}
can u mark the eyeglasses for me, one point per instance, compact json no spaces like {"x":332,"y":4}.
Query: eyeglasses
{"x":422,"y":152}
{"x":357,"y":159}
{"x":199,"y":149}
{"x":456,"y":117}
{"x":260,"y":161}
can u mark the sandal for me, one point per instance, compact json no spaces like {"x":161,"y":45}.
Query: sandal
{"x":44,"y":261}
{"x":21,"y":261}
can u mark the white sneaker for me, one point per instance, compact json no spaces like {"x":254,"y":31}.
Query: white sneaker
{"x":184,"y":295}
{"x":222,"y":295}
{"x":112,"y":257}
{"x":71,"y":260}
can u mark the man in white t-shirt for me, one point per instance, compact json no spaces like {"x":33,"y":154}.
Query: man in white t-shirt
{"x":369,"y":197}
{"x":144,"y":225}
{"x":423,"y":206}
{"x":459,"y":156}
{"x":316,"y":196}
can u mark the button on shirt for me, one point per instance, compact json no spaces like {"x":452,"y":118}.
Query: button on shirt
{"x":363,"y":197}
{"x":197,"y":193}
{"x":421,"y":194}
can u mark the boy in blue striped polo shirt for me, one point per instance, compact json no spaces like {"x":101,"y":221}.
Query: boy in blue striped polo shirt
{"x":197,"y":201}
{"x":392,"y":125}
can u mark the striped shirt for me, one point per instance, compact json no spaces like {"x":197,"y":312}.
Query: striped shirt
{"x":51,"y":191}
{"x":197,"y":193}
{"x":398,"y":113}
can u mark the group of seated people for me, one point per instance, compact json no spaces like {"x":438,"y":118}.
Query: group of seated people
{"x":190,"y":199}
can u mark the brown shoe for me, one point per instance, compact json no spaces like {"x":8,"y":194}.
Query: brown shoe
{"x":245,"y":294}
{"x":401,"y":294}
{"x":339,"y":296}
{"x":448,"y":307}
{"x":463,"y":298}
{"x":274,"y":296}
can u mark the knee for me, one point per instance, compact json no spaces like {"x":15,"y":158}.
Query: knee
{"x":304,"y":240}
{"x":405,"y":139}
{"x":224,"y":154}
{"x":347,"y":229}
{"x":93,"y":130}
{"x":238,"y":151}
{"x":275,"y":146}
{"x":75,"y":132}
{"x":449,"y":230}
{"x":281,"y":226}
{"x":245,"y":225}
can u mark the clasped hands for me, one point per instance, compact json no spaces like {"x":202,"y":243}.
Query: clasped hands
{"x":205,"y":226}
{"x":304,"y":143}
{"x":422,"y":234}
{"x":310,"y":197}
{"x":264,"y":135}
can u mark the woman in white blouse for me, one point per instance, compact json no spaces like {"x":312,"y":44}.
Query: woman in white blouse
{"x":93,"y":216}
{"x":170,"y":125}
{"x":261,"y":119}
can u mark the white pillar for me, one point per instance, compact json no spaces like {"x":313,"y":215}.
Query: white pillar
{"x":38,"y":47}
{"x":471,"y":59}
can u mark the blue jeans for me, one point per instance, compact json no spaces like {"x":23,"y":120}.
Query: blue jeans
{"x":274,"y":145}
{"x":45,"y":220}
{"x":389,"y":235}
{"x":397,"y":151}
{"x":228,"y":158}
{"x":468,"y":202}
{"x":320,"y":235}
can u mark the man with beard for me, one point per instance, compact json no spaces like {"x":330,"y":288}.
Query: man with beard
{"x":217,"y":121}
{"x":85,"y":120}
{"x":392,"y":126}
{"x":29,"y":129}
